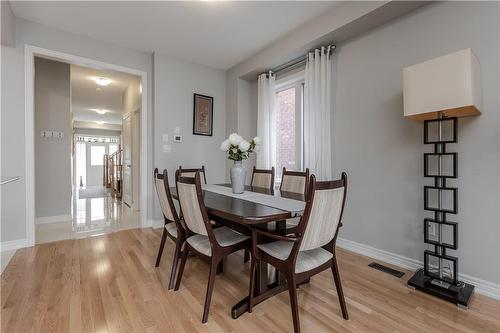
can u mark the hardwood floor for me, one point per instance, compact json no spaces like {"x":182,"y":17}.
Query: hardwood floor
{"x":109,"y":284}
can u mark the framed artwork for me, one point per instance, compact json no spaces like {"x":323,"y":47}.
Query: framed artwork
{"x":203,"y":115}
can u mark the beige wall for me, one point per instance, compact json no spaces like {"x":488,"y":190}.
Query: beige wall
{"x":52,"y":155}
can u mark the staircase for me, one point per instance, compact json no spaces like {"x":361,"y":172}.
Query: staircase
{"x":112,"y":172}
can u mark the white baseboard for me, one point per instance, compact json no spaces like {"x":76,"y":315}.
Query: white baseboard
{"x":54,"y":219}
{"x":483,"y":287}
{"x":12,"y":245}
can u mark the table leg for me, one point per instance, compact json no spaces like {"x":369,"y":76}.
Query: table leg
{"x":263,"y":290}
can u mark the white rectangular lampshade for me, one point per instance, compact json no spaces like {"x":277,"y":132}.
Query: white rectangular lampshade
{"x":450,"y":84}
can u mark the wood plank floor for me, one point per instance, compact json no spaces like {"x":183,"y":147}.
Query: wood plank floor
{"x":109,"y":284}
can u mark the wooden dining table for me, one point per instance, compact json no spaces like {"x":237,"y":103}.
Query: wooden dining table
{"x":242,"y":215}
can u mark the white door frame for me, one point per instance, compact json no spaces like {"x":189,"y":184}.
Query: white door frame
{"x":29,"y":80}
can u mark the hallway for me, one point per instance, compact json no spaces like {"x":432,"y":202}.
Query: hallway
{"x":95,"y":212}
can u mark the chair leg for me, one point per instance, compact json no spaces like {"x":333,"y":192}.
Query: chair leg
{"x":162,"y":245}
{"x":210,"y":287}
{"x":178,"y":246}
{"x":251,"y":290}
{"x":181,"y":268}
{"x":246,"y":256}
{"x":292,"y":289}
{"x":220,"y":268}
{"x":338,"y":284}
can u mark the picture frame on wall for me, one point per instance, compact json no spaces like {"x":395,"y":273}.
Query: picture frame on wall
{"x":203,"y":115}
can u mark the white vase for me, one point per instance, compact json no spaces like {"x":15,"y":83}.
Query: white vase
{"x":238,"y":174}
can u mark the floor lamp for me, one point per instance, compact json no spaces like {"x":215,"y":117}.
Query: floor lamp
{"x":437,"y":92}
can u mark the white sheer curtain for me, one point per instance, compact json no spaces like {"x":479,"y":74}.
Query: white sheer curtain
{"x":266,"y":120}
{"x":317,"y":113}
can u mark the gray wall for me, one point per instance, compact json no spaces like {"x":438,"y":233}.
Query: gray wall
{"x":12,"y":137}
{"x":8,"y":30}
{"x":13,"y":225}
{"x":383,"y":152}
{"x":52,"y":155}
{"x":176,"y":81}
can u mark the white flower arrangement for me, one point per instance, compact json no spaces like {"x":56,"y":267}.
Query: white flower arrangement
{"x":239,"y":149}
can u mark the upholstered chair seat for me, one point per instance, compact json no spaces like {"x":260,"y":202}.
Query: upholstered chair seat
{"x":290,"y":224}
{"x":306,"y":260}
{"x":224,"y":236}
{"x":171,"y":229}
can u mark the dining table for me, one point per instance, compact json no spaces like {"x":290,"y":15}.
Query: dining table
{"x":256,"y":207}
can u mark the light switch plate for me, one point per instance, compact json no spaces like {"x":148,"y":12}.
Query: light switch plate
{"x":48,"y":134}
{"x":167,"y":148}
{"x":177,"y":138}
{"x":177,"y":130}
{"x":164,"y":137}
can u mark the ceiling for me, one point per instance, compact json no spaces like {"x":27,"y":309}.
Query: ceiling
{"x":219,"y":34}
{"x":87,"y":95}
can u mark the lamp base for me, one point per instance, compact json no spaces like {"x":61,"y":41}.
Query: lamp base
{"x":457,"y":295}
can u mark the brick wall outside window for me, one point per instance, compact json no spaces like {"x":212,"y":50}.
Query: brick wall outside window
{"x":285,"y":119}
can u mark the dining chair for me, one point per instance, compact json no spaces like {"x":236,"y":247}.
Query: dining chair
{"x":213,"y":244}
{"x":311,"y":249}
{"x":172,"y":227}
{"x":294,"y":181}
{"x":263,"y":178}
{"x":191,"y":172}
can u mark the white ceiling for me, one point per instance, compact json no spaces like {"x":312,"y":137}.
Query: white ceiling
{"x":87,"y":95}
{"x":220,"y":34}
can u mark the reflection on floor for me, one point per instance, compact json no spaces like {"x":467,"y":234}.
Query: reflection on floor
{"x":92,"y":215}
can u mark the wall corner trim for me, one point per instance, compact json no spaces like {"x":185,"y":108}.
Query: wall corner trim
{"x":483,"y":287}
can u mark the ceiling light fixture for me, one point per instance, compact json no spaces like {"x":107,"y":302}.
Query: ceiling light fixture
{"x":100,"y":122}
{"x":101,"y":80}
{"x":100,"y":111}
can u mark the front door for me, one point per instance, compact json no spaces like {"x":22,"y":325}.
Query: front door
{"x":127,"y":161}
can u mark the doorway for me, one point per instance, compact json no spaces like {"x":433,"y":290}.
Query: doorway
{"x":85,"y":169}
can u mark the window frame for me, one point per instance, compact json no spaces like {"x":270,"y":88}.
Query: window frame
{"x":295,"y":80}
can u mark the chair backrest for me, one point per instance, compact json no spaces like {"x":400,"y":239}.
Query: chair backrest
{"x":191,"y":172}
{"x":323,"y":213}
{"x":164,"y":197}
{"x":191,"y":203}
{"x":294,"y":181}
{"x":263,"y":178}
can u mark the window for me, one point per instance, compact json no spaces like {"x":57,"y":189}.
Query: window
{"x":81,"y":163}
{"x":112,"y":148}
{"x":289,"y":105}
{"x":96,"y":155}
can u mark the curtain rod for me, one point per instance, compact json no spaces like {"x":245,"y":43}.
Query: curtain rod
{"x":297,"y":62}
